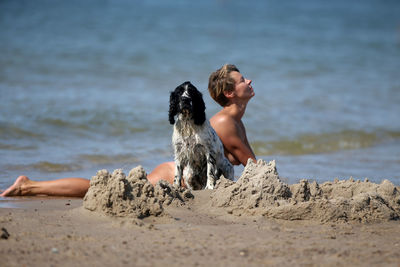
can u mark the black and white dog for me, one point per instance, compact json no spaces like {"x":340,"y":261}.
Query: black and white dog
{"x":199,"y":154}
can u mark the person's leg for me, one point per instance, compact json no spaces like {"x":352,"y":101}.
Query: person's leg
{"x":76,"y":187}
{"x":164,"y":171}
{"x":67,"y":187}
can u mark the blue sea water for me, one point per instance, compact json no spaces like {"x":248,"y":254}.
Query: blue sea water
{"x":84,"y":85}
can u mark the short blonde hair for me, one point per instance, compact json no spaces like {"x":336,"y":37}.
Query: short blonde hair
{"x":220,"y":81}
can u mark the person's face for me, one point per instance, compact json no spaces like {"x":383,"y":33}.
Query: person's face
{"x":243,"y":88}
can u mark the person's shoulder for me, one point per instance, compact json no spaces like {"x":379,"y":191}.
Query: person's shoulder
{"x":223,"y":123}
{"x":221,"y":118}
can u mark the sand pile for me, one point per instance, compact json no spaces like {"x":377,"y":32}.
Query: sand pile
{"x":259,"y":187}
{"x":259,"y":191}
{"x":119,"y":195}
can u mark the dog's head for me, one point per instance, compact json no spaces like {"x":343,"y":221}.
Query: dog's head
{"x":187,"y":100}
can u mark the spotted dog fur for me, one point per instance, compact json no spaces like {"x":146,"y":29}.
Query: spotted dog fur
{"x":199,"y":154}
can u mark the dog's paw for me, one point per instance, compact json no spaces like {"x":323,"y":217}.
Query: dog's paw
{"x":209,"y":186}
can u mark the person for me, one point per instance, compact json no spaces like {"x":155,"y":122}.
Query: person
{"x":227,"y":87}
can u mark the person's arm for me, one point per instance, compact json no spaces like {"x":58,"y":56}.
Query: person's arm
{"x":234,"y":139}
{"x":238,"y":149}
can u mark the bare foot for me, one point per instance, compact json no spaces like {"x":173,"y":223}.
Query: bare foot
{"x":16,"y":188}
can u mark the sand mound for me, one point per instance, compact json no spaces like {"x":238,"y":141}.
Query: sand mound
{"x":259,"y":191}
{"x":259,"y":187}
{"x":119,"y":195}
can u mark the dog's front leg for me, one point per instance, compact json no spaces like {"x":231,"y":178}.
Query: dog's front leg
{"x":178,"y":173}
{"x":211,"y":171}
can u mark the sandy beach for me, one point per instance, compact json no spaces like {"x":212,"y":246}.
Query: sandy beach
{"x":60,"y":232}
{"x":148,"y":227}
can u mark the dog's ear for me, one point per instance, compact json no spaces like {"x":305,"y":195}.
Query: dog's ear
{"x":173,"y":107}
{"x":199,"y":108}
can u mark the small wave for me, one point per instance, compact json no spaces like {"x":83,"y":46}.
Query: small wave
{"x":105,"y":124}
{"x":84,"y":160}
{"x":45,"y":166}
{"x":108,"y":159}
{"x":64,"y":124}
{"x":10,"y":131}
{"x":323,"y":143}
{"x":15,"y":147}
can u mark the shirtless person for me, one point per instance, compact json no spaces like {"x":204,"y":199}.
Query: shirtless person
{"x":227,"y":87}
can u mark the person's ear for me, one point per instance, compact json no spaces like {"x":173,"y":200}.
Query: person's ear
{"x":229,"y":94}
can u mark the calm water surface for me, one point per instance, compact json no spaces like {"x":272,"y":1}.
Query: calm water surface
{"x":84,"y":85}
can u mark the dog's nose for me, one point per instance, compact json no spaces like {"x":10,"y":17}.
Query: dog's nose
{"x":186,"y":103}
